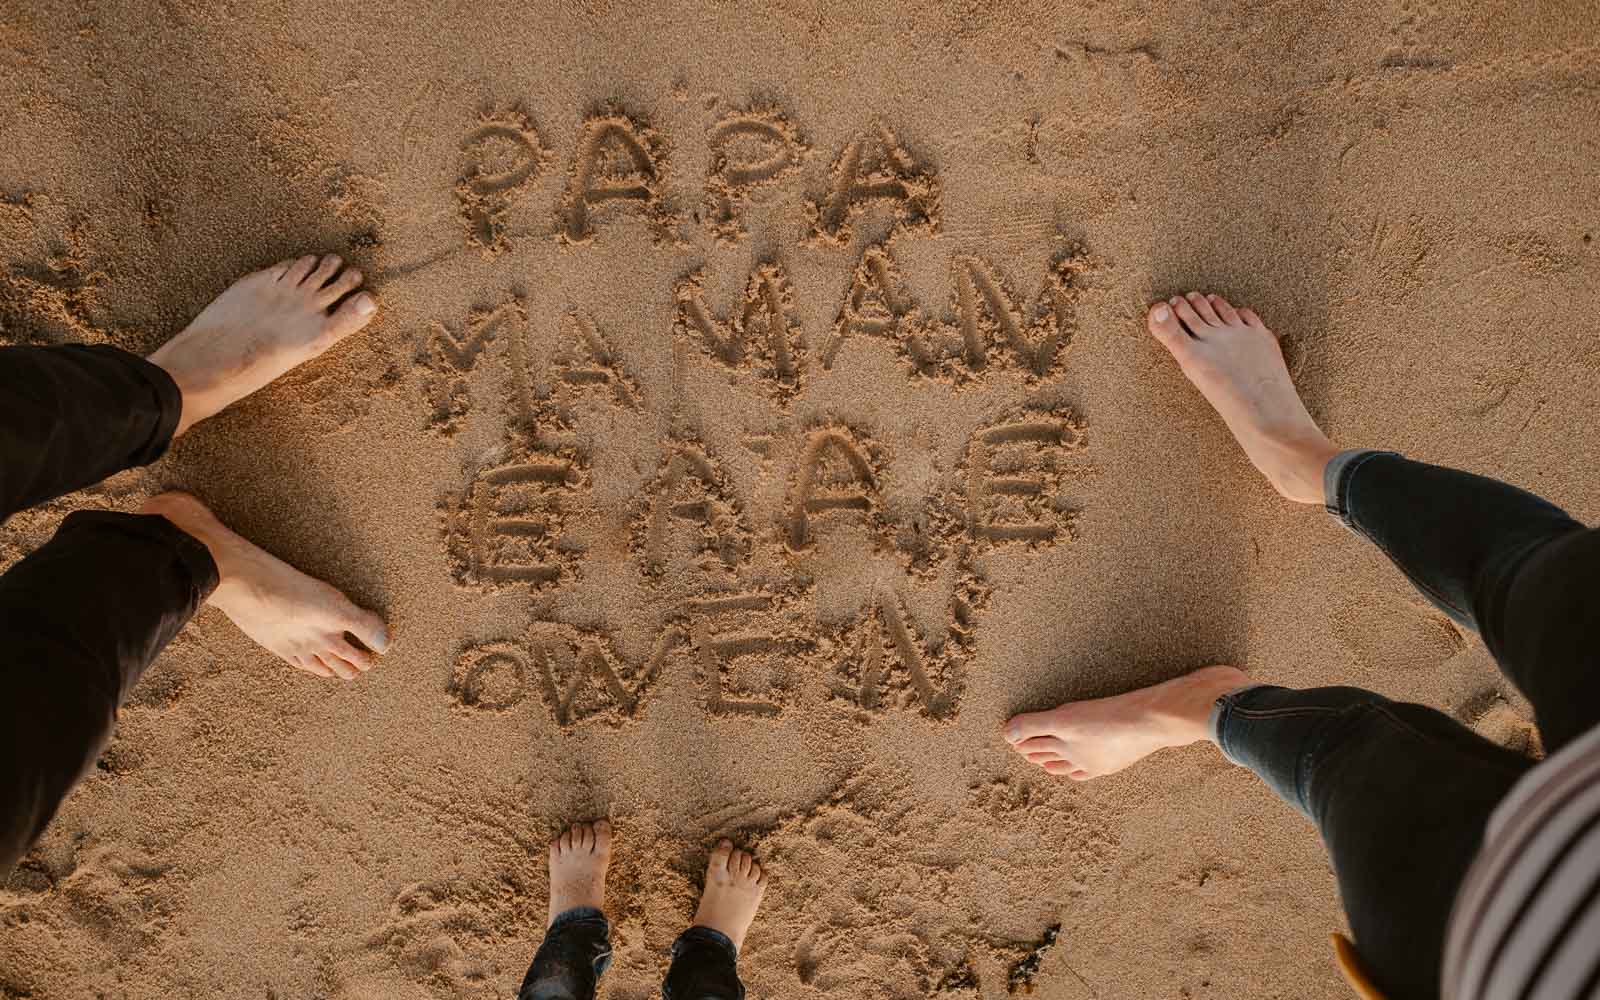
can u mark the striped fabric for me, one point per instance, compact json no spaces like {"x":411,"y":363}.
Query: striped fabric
{"x":1526,"y":923}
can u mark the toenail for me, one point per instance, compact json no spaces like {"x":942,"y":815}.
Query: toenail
{"x":365,"y":306}
{"x":1161,"y":313}
{"x":1014,"y":733}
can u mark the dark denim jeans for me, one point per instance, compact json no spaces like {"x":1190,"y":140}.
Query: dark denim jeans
{"x":577,"y":950}
{"x":1401,"y":793}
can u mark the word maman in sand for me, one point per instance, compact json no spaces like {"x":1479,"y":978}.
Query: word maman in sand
{"x":621,"y":163}
{"x":758,"y":342}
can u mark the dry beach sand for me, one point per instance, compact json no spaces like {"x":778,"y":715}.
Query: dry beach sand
{"x":759,"y":413}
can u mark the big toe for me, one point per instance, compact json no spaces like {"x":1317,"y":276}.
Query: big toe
{"x":353,"y":314}
{"x":1029,"y":725}
{"x":365,"y":625}
{"x":1164,"y":326}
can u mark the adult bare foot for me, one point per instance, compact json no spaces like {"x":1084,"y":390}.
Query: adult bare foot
{"x":734,"y":886}
{"x":579,"y":858}
{"x":264,"y":324}
{"x":300,"y":619}
{"x":1091,"y":739}
{"x":1235,"y":362}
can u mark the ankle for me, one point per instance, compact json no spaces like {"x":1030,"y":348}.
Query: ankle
{"x":1298,"y":467}
{"x":194,"y":519}
{"x":1188,"y":700}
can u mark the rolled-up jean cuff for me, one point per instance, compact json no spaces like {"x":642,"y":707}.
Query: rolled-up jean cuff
{"x":191,"y":552}
{"x":576,"y":914}
{"x":1336,"y":478}
{"x":169,"y":403}
{"x":1219,"y":709}
{"x":705,"y":935}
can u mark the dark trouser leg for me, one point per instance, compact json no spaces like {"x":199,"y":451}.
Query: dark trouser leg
{"x":1496,"y":559}
{"x":82,"y":618}
{"x":1401,"y":795}
{"x":568,"y":965}
{"x":704,"y":967}
{"x":71,"y":416}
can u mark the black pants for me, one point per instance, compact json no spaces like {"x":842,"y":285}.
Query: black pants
{"x":577,"y":950}
{"x":83,"y":616}
{"x":1401,"y":793}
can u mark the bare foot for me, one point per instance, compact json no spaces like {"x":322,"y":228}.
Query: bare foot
{"x":264,"y":324}
{"x":1235,"y":362}
{"x":579,"y":858}
{"x":734,"y":886}
{"x":301,"y":619}
{"x":1091,"y":739}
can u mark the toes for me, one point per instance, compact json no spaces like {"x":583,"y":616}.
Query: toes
{"x":1079,"y":775}
{"x":341,"y":669}
{"x":1164,"y":326}
{"x":370,"y":629}
{"x":1202,"y":305}
{"x":1224,"y":309}
{"x":347,"y":281}
{"x":351,"y":315}
{"x":722,"y":855}
{"x":756,"y":874}
{"x":1029,"y":725}
{"x":280,"y":269}
{"x":299,"y":269}
{"x":311,"y":666}
{"x":1060,"y":767}
{"x":1252,"y":320}
{"x":346,"y":669}
{"x":1191,"y":319}
{"x":351,"y":653}
{"x":602,"y":837}
{"x":1043,"y":744}
{"x":583,"y":838}
{"x":326,"y":268}
{"x":566,"y":839}
{"x":741,"y":864}
{"x":1044,"y":757}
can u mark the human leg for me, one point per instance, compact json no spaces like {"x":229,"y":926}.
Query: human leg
{"x":1401,"y":795}
{"x":72,"y":415}
{"x":577,"y":945}
{"x":83,"y":617}
{"x":705,"y":957}
{"x":88,"y":612}
{"x":1495,"y":558}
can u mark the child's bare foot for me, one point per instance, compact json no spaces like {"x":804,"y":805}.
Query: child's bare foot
{"x":734,"y":886}
{"x":1235,"y":362}
{"x":1091,"y":739}
{"x":579,"y":858}
{"x":264,"y":324}
{"x":301,"y":619}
